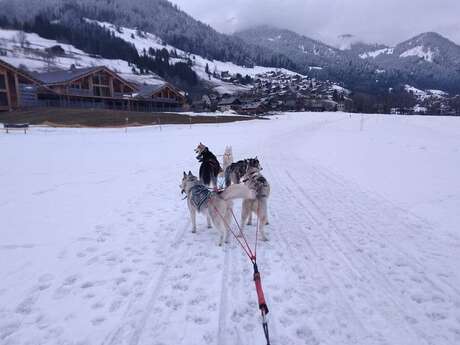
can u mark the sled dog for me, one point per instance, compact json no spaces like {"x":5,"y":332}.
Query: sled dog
{"x":259,"y":205}
{"x":210,"y":166}
{"x":228,"y":157}
{"x":235,"y":171}
{"x":215,"y":205}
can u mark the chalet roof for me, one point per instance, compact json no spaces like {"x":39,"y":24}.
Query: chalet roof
{"x":147,"y":90}
{"x":252,"y":105}
{"x":64,"y":76}
{"x":20,"y":71}
{"x":229,"y":101}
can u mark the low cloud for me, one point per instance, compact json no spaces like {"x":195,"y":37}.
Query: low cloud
{"x":381,"y":21}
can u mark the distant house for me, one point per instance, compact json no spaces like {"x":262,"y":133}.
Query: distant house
{"x":17,"y":88}
{"x":229,"y":103}
{"x":162,"y":96}
{"x":253,"y":108}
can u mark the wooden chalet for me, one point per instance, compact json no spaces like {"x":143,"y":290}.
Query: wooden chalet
{"x":99,"y":87}
{"x":252,"y":108}
{"x":162,"y":96}
{"x":229,"y":103}
{"x":86,"y":87}
{"x":91,"y":82}
{"x":17,"y":88}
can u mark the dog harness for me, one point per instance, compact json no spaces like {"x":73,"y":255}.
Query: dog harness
{"x":200,"y":195}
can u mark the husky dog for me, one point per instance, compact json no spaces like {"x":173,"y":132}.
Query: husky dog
{"x":215,"y":205}
{"x":235,"y":171}
{"x":228,"y":157}
{"x":259,"y":184}
{"x":210,"y":166}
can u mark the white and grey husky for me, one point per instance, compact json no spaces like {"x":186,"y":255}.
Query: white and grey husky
{"x":259,"y":205}
{"x":228,"y":158}
{"x":215,"y":205}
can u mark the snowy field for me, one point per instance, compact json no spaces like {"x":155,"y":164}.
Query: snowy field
{"x":96,"y":244}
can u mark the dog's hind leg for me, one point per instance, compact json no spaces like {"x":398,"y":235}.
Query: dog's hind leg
{"x":262,"y":214}
{"x":208,"y":219}
{"x":249,"y":218}
{"x":251,"y":208}
{"x":193,"y":218}
{"x":246,"y":211}
{"x":222,"y":237}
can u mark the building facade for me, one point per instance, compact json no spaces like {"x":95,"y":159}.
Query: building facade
{"x":17,"y":88}
{"x":93,"y":87}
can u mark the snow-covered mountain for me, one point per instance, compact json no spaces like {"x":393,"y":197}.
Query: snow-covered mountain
{"x":431,"y":60}
{"x":428,"y":60}
{"x":303,"y":51}
{"x":429,"y":47}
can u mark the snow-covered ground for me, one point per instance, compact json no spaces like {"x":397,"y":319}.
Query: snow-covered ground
{"x":96,"y":245}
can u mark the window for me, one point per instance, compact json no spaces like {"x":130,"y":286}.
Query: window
{"x":100,"y":79}
{"x":75,"y":86}
{"x":101,"y":91}
{"x":2,"y":82}
{"x":3,"y":99}
{"x":117,"y":87}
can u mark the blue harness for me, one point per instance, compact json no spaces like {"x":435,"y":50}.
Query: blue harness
{"x":200,"y":195}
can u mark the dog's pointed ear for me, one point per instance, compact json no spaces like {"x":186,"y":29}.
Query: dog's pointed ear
{"x":185,"y":174}
{"x":189,"y":173}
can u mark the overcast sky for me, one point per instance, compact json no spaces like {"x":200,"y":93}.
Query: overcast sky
{"x":380,"y":21}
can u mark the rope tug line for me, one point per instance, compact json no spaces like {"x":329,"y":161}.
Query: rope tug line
{"x":253,"y":258}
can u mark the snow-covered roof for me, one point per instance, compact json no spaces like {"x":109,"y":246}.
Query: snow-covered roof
{"x":147,"y":90}
{"x":18,"y":70}
{"x":64,"y":76}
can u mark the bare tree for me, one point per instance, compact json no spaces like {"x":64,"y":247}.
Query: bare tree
{"x":21,"y":38}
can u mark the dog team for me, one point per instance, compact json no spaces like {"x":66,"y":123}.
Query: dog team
{"x":243,"y":180}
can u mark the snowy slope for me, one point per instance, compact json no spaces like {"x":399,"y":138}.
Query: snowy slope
{"x":144,"y":40}
{"x":96,"y":245}
{"x":34,"y":58}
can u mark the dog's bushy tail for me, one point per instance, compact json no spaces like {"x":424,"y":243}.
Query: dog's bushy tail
{"x":237,"y":191}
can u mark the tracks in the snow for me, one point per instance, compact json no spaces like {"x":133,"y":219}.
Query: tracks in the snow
{"x":376,"y":279}
{"x":130,"y":328}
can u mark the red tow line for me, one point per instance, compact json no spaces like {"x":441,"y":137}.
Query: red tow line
{"x":253,"y":258}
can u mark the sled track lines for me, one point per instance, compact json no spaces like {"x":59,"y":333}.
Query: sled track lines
{"x":360,"y":271}
{"x":413,"y":264}
{"x":360,"y":217}
{"x":223,"y":298}
{"x":138,"y":325}
{"x":322,"y":274}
